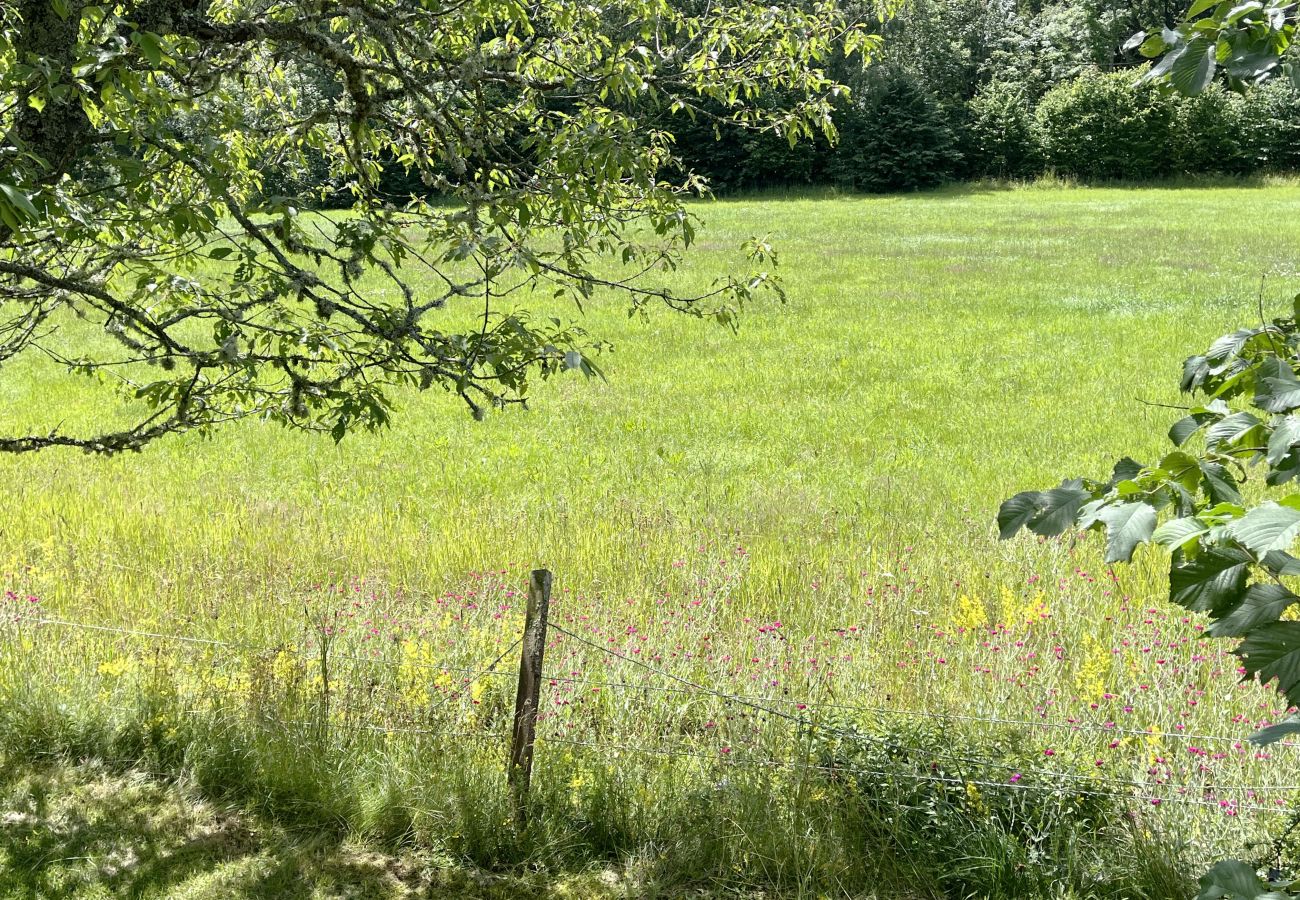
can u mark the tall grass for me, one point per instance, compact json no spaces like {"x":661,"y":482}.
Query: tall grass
{"x":800,"y":513}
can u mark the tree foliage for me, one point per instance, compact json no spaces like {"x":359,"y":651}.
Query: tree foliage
{"x":160,"y":160}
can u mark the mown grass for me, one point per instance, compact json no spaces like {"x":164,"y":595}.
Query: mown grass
{"x":801,"y":513}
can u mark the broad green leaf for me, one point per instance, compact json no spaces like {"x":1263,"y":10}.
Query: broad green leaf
{"x":1016,"y":512}
{"x":1059,"y":508}
{"x":1232,"y":880}
{"x":1125,"y":470}
{"x":1281,"y":564}
{"x":1229,"y":345}
{"x":1260,"y":604}
{"x":1276,"y":732}
{"x":1176,"y":533}
{"x":1195,"y":370}
{"x":1183,"y":468}
{"x":1269,"y":526}
{"x":1166,"y":64}
{"x":1212,"y":580}
{"x":1219,"y":484}
{"x":1276,"y":387}
{"x":1272,"y":653}
{"x":1126,"y":526}
{"x":1285,"y":434}
{"x":1183,"y":429}
{"x":1230,"y":428}
{"x":150,"y":46}
{"x":1242,"y":10}
{"x":20,"y":201}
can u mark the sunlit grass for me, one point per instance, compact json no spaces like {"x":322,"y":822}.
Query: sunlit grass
{"x":834,"y":468}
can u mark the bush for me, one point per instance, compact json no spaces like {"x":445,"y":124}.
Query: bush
{"x":1273,"y":113}
{"x":1210,"y":134}
{"x":1000,"y":133}
{"x":896,"y":137}
{"x":1101,"y":126}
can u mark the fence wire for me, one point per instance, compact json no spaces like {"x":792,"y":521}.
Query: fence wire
{"x":1102,"y":786}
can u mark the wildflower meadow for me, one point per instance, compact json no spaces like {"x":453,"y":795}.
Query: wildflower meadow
{"x":787,"y":651}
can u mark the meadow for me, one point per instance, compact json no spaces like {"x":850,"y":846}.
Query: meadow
{"x":799,"y":515}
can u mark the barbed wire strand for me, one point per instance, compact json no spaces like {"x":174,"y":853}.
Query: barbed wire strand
{"x":906,"y":712}
{"x":809,"y":723}
{"x":744,"y":700}
{"x":944,"y":779}
{"x":256,"y":648}
{"x":750,"y":699}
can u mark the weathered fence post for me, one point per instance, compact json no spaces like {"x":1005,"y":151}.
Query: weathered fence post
{"x":520,"y":771}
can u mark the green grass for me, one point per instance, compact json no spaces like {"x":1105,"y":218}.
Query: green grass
{"x":835,"y":467}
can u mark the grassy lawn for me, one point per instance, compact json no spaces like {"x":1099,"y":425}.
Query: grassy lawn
{"x":801,"y":513}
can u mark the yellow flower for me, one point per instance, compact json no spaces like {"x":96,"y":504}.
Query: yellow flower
{"x":970,"y":613}
{"x":116,"y":668}
{"x":1094,"y":669}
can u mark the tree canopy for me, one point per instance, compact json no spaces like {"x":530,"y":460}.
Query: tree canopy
{"x":152,"y":234}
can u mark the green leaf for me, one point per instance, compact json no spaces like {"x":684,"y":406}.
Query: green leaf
{"x":20,"y":201}
{"x":1210,"y":581}
{"x":1285,"y":434}
{"x":150,"y":46}
{"x":1219,"y":484}
{"x":1176,"y":533}
{"x":1231,"y":880}
{"x":1277,"y":731}
{"x":1126,"y":469}
{"x":1276,"y":387}
{"x":1059,"y":508}
{"x":1201,"y":6}
{"x":1195,"y":370}
{"x":1259,"y":605}
{"x":1269,"y":526}
{"x":1241,"y":10}
{"x":1281,"y":564}
{"x":220,"y":252}
{"x":1272,"y":653}
{"x":1230,"y":345}
{"x":1230,"y":428}
{"x":1184,"y":428}
{"x":1182,"y":468}
{"x":1127,"y":526}
{"x":1161,"y":69}
{"x":1134,"y":42}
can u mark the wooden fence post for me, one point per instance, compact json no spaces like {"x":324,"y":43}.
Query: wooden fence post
{"x":520,"y":771}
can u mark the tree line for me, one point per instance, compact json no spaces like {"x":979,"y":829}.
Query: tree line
{"x":971,"y":89}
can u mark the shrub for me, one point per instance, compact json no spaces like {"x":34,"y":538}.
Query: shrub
{"x":1000,"y":132}
{"x":1100,"y":126}
{"x":1273,"y":114}
{"x":1210,"y":134}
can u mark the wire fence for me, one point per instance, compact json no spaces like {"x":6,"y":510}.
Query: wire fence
{"x":937,"y":766}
